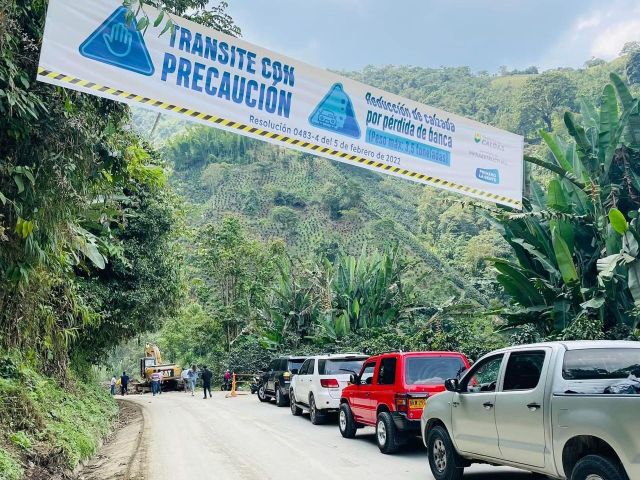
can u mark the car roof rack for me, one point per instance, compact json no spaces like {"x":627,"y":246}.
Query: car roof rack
{"x":388,"y":351}
{"x":344,"y":354}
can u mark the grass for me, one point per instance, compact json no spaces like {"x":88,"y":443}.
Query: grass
{"x":10,"y":469}
{"x":42,"y":418}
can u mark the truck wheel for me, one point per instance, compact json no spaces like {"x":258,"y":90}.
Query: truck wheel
{"x":442,"y":455}
{"x":296,"y":411}
{"x":595,"y":467}
{"x":315,"y":415}
{"x":386,"y":433}
{"x":262,"y":395}
{"x":346,"y":423}
{"x":281,"y":401}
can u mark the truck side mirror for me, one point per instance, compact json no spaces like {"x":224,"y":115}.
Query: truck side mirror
{"x":354,"y":379}
{"x":452,"y":385}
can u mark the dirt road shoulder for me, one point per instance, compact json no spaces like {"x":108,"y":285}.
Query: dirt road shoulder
{"x":124,"y":455}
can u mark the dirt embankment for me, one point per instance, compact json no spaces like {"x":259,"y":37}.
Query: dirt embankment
{"x":124,"y":454}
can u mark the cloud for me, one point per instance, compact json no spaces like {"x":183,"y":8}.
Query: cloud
{"x":609,"y":42}
{"x":601,"y":32}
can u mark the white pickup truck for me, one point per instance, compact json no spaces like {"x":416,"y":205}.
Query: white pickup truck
{"x":568,"y":410}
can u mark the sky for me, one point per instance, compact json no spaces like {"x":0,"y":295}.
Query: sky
{"x":482,"y":34}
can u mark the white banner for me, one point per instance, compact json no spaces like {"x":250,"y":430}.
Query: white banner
{"x":221,"y":81}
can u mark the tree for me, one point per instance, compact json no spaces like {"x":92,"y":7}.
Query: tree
{"x":237,"y":270}
{"x":285,"y":216}
{"x":576,"y":243}
{"x":199,"y":11}
{"x":542,"y":97}
{"x":73,"y":179}
{"x":630,"y":47}
{"x":633,"y":67}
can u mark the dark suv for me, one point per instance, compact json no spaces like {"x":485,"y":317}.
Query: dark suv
{"x":275,"y":381}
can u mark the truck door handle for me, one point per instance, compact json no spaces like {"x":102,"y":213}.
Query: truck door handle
{"x":456,"y":404}
{"x":533,"y":406}
{"x":488,"y":405}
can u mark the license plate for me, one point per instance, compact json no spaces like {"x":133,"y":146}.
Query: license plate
{"x":417,"y":403}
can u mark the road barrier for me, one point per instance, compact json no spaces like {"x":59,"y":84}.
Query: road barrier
{"x":234,"y":382}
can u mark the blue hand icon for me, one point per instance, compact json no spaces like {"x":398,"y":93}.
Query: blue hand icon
{"x":118,"y":41}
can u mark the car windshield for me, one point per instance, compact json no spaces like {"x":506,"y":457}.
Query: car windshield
{"x":432,"y":370}
{"x":601,"y":363}
{"x":338,"y":366}
{"x":295,"y":363}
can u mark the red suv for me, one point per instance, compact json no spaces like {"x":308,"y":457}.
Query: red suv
{"x":391,"y":391}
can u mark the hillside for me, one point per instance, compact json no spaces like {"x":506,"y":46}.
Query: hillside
{"x":315,"y":205}
{"x":318,"y":206}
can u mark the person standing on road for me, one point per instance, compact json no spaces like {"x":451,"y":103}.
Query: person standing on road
{"x":113,"y":384}
{"x":185,"y":379}
{"x":206,"y":381}
{"x":193,"y":377}
{"x":124,"y":384}
{"x":227,"y":379}
{"x":156,"y":383}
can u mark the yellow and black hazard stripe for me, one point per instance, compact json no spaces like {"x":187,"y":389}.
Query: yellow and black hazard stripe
{"x":313,"y":148}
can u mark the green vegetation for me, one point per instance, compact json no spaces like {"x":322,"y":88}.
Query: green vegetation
{"x":88,"y":252}
{"x":577,"y":273}
{"x":60,"y":424}
{"x":226,"y":250}
{"x":357,"y":260}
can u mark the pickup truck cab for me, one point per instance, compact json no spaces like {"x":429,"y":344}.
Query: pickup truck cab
{"x":541,"y":408}
{"x":390,"y":391}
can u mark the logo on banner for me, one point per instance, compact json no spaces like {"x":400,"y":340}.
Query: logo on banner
{"x":118,"y":44}
{"x":489,"y":175}
{"x":335,"y":113}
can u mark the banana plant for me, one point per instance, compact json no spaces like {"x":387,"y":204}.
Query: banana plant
{"x":575,"y":252}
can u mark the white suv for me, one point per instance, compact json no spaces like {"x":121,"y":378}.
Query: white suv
{"x":318,"y":384}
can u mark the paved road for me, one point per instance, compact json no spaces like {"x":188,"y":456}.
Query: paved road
{"x":240,"y":438}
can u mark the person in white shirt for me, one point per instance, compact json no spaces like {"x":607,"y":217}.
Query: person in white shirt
{"x":185,"y":379}
{"x":113,"y":385}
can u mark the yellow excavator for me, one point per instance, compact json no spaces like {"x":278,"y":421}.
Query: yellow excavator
{"x":151,"y":363}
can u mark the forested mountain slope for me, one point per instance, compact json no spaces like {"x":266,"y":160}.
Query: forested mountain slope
{"x":319,"y":207}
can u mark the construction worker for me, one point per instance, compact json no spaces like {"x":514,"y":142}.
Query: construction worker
{"x":156,"y":383}
{"x":124,"y":383}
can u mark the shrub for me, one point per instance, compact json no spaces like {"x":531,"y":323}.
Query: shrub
{"x":21,"y":439}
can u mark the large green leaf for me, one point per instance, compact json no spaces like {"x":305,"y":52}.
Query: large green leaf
{"x":561,"y":315}
{"x":546,"y":263}
{"x":584,"y":147}
{"x":618,"y":222}
{"x":538,"y":196}
{"x":608,"y":119}
{"x":555,"y":148}
{"x":563,"y":257}
{"x":514,"y":281}
{"x":556,"y":198}
{"x":634,"y":280}
{"x":629,"y":106}
{"x":567,"y":232}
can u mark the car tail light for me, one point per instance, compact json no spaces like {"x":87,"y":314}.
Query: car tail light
{"x":329,"y":383}
{"x":401,"y":403}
